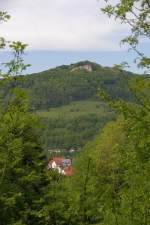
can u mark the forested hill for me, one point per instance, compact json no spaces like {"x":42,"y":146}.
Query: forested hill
{"x":66,"y":98}
{"x":65,"y":84}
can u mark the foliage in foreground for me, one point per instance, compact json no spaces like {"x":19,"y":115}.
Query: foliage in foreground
{"x":136,"y":14}
{"x":22,"y":164}
{"x":112,"y":183}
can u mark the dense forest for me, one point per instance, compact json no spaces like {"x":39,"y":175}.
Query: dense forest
{"x":68,"y":101}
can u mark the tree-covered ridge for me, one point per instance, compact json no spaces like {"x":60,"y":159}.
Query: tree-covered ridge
{"x":69,"y":103}
{"x":61,"y":86}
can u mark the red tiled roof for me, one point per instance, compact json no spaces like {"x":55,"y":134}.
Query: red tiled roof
{"x":68,"y":171}
{"x":57,"y":160}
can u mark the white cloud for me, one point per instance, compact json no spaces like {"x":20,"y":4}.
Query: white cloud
{"x":61,"y":25}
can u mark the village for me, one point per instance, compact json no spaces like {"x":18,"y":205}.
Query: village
{"x":60,"y":163}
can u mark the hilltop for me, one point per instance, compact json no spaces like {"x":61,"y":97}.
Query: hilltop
{"x":61,"y":86}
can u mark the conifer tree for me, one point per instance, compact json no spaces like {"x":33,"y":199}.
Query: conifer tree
{"x":23,"y":175}
{"x":22,"y":163}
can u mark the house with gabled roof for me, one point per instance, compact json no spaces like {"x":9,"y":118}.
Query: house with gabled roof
{"x":62,"y":165}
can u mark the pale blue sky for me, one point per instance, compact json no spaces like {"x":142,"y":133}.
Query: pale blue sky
{"x":43,"y":60}
{"x":63,"y":32}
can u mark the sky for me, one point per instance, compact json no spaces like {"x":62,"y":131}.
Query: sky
{"x":65,"y":31}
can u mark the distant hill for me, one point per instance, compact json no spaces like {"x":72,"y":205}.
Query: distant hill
{"x":61,"y":86}
{"x":66,"y":98}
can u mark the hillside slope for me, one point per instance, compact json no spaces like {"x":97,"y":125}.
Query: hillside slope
{"x":66,"y":98}
{"x":61,"y":86}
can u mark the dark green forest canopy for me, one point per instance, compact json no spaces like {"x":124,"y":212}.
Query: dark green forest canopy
{"x":68,"y":102}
